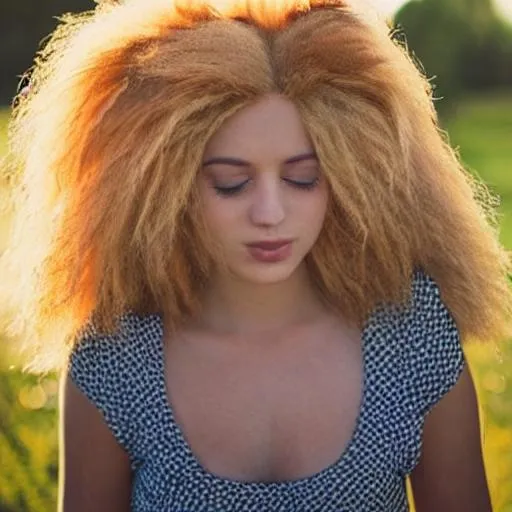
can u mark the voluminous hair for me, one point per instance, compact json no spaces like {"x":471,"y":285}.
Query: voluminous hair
{"x":107,"y":144}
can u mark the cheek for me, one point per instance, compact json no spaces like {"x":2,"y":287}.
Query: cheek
{"x":220,"y":217}
{"x":312,"y":210}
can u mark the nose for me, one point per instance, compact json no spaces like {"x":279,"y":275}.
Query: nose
{"x":267,"y":208}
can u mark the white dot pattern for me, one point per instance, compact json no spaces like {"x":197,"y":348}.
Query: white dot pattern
{"x":412,"y":357}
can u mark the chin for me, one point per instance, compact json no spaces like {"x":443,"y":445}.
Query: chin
{"x":265,"y":273}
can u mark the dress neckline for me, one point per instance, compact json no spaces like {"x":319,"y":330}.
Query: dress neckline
{"x":350,"y":450}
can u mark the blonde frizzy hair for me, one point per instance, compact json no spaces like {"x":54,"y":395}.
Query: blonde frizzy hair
{"x":111,"y":136}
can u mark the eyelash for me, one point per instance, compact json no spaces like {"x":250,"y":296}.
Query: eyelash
{"x":231,"y":191}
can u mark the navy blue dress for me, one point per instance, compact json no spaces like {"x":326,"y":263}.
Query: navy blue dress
{"x":412,"y":357}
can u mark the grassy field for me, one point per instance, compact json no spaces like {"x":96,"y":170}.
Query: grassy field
{"x":481,"y":131}
{"x":28,"y":426}
{"x":28,"y":413}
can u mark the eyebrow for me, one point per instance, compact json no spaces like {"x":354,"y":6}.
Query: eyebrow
{"x":237,"y":162}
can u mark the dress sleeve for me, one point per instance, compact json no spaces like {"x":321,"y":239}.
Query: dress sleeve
{"x":432,"y":361}
{"x":95,"y":366}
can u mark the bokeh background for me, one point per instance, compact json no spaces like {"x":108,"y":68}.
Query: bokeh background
{"x":465,"y":48}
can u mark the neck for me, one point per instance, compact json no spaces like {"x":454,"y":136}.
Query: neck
{"x":240,"y":308}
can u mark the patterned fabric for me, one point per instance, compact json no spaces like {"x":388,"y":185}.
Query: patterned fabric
{"x":412,"y":357}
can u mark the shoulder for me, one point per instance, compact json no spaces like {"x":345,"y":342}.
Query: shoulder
{"x":421,"y":331}
{"x":431,"y":341}
{"x":97,"y":353}
{"x":428,"y":363}
{"x":426,"y":296}
{"x":431,"y":327}
{"x":112,"y":369}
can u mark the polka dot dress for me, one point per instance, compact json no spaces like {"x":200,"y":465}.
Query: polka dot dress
{"x":412,"y":357}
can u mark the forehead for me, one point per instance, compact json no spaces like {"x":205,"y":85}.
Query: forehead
{"x":272,"y":127}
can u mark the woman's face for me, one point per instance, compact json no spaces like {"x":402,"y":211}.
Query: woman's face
{"x":261,"y":181}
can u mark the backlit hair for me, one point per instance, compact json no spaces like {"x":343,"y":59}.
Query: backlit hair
{"x":111,"y":135}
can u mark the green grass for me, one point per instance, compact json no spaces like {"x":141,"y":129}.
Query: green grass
{"x":482,"y":130}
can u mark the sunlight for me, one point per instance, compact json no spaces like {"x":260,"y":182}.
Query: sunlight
{"x":505,"y":8}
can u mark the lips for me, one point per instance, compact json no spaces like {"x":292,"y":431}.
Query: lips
{"x":270,"y":246}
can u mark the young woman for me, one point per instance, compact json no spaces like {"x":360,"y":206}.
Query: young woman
{"x":262,"y":257}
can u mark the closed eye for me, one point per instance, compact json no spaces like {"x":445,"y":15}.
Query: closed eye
{"x":230,"y":191}
{"x":305,"y":185}
{"x":235,"y":189}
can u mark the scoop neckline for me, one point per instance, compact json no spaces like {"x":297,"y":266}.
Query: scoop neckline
{"x":261,"y":486}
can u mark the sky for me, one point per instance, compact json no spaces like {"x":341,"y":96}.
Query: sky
{"x":388,"y":7}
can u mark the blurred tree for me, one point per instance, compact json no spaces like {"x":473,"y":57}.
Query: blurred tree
{"x":491,"y":65}
{"x":463,"y":45}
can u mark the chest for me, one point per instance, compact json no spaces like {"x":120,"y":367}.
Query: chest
{"x":284,"y":411}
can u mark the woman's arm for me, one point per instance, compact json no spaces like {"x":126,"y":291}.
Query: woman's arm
{"x":450,"y":476}
{"x":95,"y":471}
